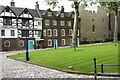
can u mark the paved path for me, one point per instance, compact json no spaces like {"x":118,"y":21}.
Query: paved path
{"x":16,"y":69}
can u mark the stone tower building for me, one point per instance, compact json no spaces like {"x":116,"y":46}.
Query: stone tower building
{"x":94,"y":24}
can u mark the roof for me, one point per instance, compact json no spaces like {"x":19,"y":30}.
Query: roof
{"x":33,"y":12}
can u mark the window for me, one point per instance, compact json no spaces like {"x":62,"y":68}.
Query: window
{"x":7,"y":22}
{"x":49,"y":42}
{"x":37,"y":33}
{"x":63,"y":32}
{"x":55,"y":32}
{"x":62,"y":15}
{"x":21,"y":43}
{"x":92,"y":20}
{"x":24,"y":33}
{"x":70,"y":32}
{"x":44,"y":32}
{"x":93,"y":28}
{"x":69,"y":23}
{"x":54,"y":22}
{"x":39,"y":23}
{"x":49,"y":32}
{"x":49,"y":13}
{"x":47,"y":22}
{"x":103,"y":19}
{"x":12,"y":33}
{"x":25,"y":22}
{"x":2,"y":32}
{"x":7,"y":43}
{"x":63,"y":41}
{"x":62,"y":23}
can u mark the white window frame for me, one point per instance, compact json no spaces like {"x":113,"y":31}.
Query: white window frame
{"x":63,"y":30}
{"x":44,"y":32}
{"x":70,"y":32}
{"x":50,"y":32}
{"x":63,"y":42}
{"x":69,"y":23}
{"x":50,"y":41}
{"x":47,"y":22}
{"x":62,"y":15}
{"x":62,"y":23}
{"x":54,"y":30}
{"x":22,"y":42}
{"x":54,"y":22}
{"x":49,"y":13}
{"x":8,"y":43}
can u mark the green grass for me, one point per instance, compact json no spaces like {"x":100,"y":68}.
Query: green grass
{"x":82,"y":59}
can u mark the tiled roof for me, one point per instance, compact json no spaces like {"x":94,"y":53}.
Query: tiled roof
{"x":18,"y":11}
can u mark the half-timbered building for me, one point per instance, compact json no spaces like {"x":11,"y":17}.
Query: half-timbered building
{"x":45,"y":28}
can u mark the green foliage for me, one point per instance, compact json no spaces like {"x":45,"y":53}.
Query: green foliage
{"x":110,"y":6}
{"x":82,"y":59}
{"x":109,"y":39}
{"x":52,"y":3}
{"x":119,"y":35}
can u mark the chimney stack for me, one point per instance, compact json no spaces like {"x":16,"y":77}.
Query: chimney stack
{"x":62,"y":8}
{"x":12,"y":3}
{"x":37,"y":6}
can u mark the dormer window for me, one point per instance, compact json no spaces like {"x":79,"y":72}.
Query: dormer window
{"x":49,"y":13}
{"x":62,"y":15}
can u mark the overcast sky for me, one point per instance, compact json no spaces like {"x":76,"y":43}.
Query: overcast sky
{"x":31,"y":4}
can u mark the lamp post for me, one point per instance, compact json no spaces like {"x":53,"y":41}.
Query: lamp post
{"x":27,"y":53}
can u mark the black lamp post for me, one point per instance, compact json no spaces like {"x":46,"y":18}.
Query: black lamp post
{"x":27,"y":53}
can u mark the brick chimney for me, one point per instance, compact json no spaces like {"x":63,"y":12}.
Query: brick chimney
{"x":12,"y":3}
{"x":37,"y":6}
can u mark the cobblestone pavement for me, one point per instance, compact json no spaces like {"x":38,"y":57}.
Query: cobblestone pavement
{"x":16,"y":69}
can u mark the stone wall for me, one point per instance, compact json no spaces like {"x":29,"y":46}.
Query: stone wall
{"x":99,"y":19}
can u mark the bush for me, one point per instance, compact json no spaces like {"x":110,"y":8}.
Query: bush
{"x":109,"y":39}
{"x":96,"y":41}
{"x":119,"y":35}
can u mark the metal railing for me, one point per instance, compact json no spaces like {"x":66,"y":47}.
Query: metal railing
{"x":102,"y":68}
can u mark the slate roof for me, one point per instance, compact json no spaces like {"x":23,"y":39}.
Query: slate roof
{"x":18,"y":11}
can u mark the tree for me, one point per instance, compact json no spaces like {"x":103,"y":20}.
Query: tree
{"x":54,"y":3}
{"x":112,"y":6}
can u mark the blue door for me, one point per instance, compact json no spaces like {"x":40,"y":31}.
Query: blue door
{"x":31,"y":45}
{"x":55,"y":44}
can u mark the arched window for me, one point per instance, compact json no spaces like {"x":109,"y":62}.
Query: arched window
{"x":7,"y":43}
{"x":62,"y":32}
{"x":21,"y":43}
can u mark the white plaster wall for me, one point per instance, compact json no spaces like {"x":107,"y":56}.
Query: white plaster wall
{"x":8,"y":33}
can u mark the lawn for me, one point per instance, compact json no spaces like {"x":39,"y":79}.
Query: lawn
{"x":82,"y":59}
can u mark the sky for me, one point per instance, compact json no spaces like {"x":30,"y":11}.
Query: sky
{"x":31,"y":4}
